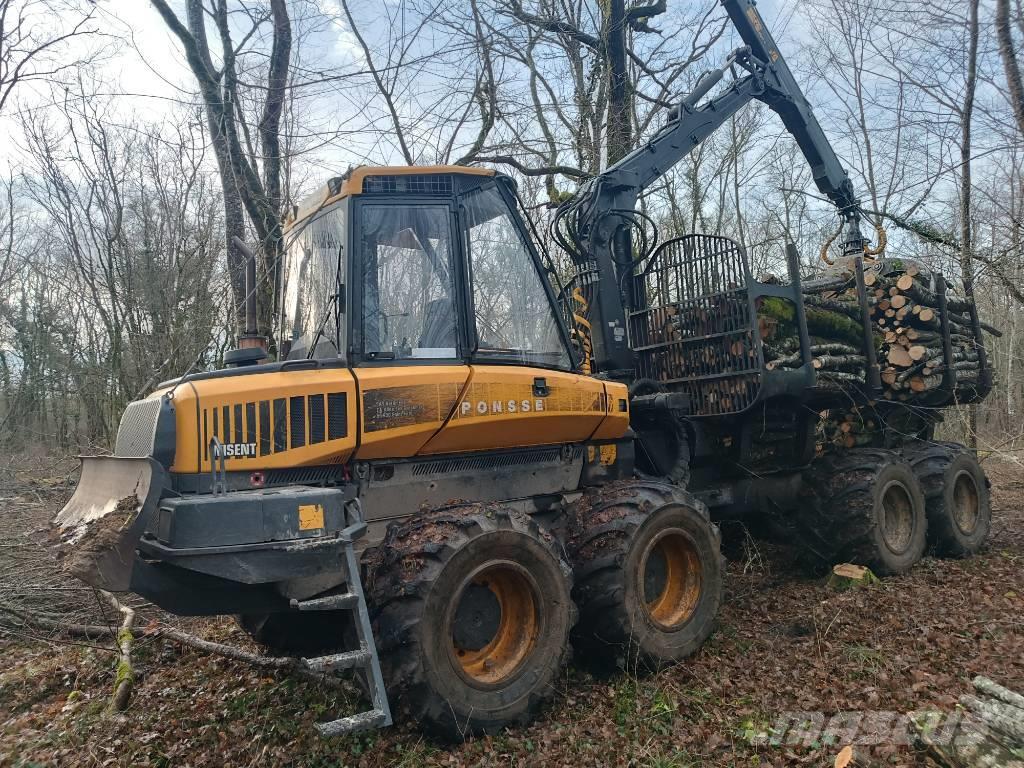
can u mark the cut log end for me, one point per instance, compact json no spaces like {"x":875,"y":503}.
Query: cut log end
{"x":899,"y":357}
{"x":847,"y":576}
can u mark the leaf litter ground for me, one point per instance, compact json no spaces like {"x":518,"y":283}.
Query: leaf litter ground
{"x":783,"y":643}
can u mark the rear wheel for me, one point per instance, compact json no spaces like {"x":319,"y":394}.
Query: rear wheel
{"x":956,"y":497}
{"x":864,"y":506}
{"x":472,"y":612}
{"x":648,"y":574}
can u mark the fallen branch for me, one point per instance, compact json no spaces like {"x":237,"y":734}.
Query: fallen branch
{"x":990,"y":737}
{"x":994,"y":690}
{"x":287,"y":664}
{"x":85,"y":631}
{"x":124,"y":679}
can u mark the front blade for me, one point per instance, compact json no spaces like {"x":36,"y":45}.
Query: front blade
{"x":97,"y":530}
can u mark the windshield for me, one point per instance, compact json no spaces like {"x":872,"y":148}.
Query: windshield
{"x":313,"y":278}
{"x":514,"y":317}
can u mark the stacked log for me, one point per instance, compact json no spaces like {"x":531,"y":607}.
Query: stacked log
{"x":847,"y":428}
{"x":906,"y":331}
{"x":709,"y":339}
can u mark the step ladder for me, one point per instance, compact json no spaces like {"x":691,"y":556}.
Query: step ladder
{"x":365,"y":656}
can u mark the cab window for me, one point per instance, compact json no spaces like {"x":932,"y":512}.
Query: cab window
{"x":314,"y":267}
{"x":512,"y":312}
{"x":408,"y":284}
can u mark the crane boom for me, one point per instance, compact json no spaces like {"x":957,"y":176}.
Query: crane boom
{"x":601,"y":216}
{"x":784,"y":96}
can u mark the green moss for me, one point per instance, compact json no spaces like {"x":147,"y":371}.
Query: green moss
{"x":781,"y":316}
{"x":124,"y":674}
{"x":833,"y":325}
{"x":778,"y":308}
{"x":626,"y":694}
{"x":124,"y":636}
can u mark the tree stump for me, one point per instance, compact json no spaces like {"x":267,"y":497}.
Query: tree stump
{"x":848,"y":576}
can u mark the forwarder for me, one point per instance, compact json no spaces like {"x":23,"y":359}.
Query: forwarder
{"x":459,"y":467}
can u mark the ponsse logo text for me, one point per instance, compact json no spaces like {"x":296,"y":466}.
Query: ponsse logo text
{"x":484,"y":408}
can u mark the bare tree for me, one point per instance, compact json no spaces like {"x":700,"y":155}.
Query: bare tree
{"x":251,"y":183}
{"x":1008,"y":54}
{"x":120,"y":279}
{"x":36,"y":38}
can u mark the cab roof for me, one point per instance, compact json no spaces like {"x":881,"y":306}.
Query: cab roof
{"x":353,"y":182}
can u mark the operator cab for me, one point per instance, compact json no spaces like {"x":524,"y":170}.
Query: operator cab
{"x":417,"y":265}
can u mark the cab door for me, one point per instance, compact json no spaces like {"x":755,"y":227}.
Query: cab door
{"x":522,"y":389}
{"x":409,"y":341}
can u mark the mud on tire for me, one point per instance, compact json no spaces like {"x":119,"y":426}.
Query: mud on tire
{"x":864,"y":506}
{"x":648,"y":574}
{"x":956,"y":494}
{"x":472,"y":612}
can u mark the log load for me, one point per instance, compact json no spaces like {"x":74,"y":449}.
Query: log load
{"x":905,"y":328}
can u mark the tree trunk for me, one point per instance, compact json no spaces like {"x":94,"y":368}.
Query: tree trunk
{"x":216,"y":117}
{"x":966,"y":232}
{"x":270,"y":142}
{"x":244,"y":189}
{"x":1008,"y":54}
{"x":620,"y":134}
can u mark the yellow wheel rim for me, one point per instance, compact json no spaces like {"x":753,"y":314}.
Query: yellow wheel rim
{"x":966,"y":503}
{"x":494,"y":623}
{"x":672,"y":575}
{"x":897,"y":517}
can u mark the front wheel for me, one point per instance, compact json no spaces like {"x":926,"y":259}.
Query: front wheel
{"x":648,"y":574}
{"x":472,"y":612}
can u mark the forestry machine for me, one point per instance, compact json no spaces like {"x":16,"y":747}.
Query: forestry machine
{"x":460,"y":467}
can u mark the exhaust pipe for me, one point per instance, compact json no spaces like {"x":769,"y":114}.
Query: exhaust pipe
{"x":251,"y":338}
{"x":250,"y":344}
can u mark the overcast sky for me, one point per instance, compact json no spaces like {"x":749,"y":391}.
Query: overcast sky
{"x":149,"y":75}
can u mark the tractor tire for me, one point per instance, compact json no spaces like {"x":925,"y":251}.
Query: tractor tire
{"x":299,"y":634}
{"x":863,"y":506}
{"x":648,"y":574}
{"x":956,"y":494}
{"x":472,"y":609}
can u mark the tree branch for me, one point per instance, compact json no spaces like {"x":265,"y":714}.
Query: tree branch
{"x":638,"y":15}
{"x":557,"y":27}
{"x":564,"y":170}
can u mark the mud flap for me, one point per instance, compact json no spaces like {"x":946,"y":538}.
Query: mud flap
{"x":97,"y":531}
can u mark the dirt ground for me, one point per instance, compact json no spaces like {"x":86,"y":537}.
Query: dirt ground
{"x":783,"y":643}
